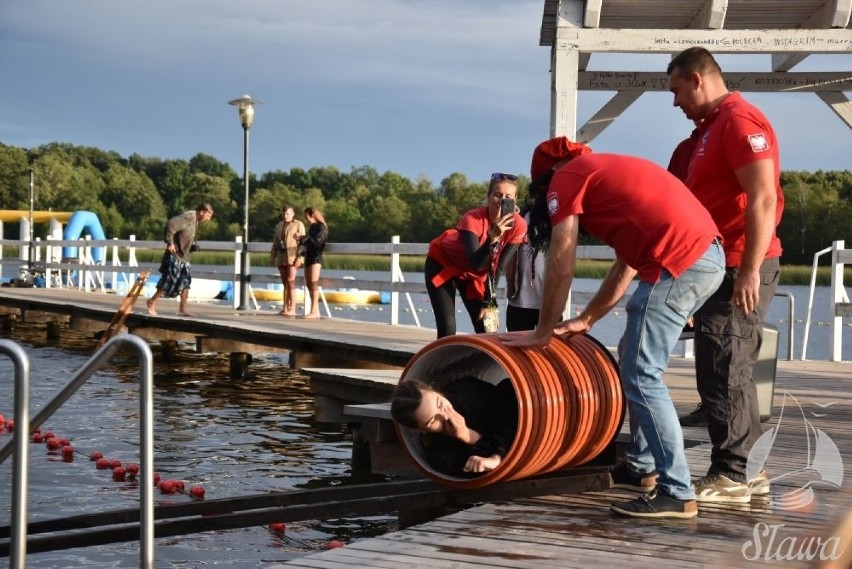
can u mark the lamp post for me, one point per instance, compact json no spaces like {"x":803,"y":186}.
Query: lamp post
{"x":32,"y":201}
{"x":245,"y":105}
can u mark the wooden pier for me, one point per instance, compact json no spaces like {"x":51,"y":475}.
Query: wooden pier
{"x":325,"y":342}
{"x":552,"y":530}
{"x":578,"y":530}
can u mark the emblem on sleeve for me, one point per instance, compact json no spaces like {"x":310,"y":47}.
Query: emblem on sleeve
{"x":552,"y":204}
{"x":758,"y":142}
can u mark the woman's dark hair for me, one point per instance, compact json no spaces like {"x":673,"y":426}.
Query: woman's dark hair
{"x":315,"y":213}
{"x":407,"y":397}
{"x":539,"y":228}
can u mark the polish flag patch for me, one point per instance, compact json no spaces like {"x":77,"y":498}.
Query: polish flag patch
{"x":758,"y":142}
{"x":552,"y":204}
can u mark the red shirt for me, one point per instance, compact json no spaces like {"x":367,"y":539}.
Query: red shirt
{"x":682,"y":156}
{"x":734,"y":135}
{"x":448,"y":250}
{"x":636,"y":207}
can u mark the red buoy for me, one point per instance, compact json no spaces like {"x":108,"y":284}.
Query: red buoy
{"x":196,"y":491}
{"x":335,"y":543}
{"x":37,"y":438}
{"x":119,"y":474}
{"x":133,"y":469}
{"x":278,"y":527}
{"x":96,"y":455}
{"x":102,"y":464}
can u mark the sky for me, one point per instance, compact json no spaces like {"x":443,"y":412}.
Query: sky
{"x":425,"y":87}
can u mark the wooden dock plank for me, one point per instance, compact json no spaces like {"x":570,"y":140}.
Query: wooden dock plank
{"x":578,"y":530}
{"x":361,"y":342}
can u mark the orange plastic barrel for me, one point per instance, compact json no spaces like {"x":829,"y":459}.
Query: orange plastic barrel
{"x":570,"y":402}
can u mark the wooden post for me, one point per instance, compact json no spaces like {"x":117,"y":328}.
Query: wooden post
{"x":169,"y":350}
{"x":239,"y":364}
{"x":7,"y":322}
{"x":54,"y":330}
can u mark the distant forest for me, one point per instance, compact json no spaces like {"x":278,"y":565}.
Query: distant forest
{"x":136,"y":195}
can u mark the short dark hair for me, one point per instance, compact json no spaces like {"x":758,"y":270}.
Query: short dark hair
{"x":694,"y":59}
{"x":407,"y":397}
{"x":204,"y":207}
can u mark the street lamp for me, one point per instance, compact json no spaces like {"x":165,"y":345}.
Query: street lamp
{"x":245,"y":105}
{"x":30,"y":256}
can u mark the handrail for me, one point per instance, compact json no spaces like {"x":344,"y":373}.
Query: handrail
{"x":811,"y":288}
{"x":394,"y":281}
{"x":20,"y":472}
{"x":146,"y":429}
{"x":840,"y":256}
{"x":791,"y":305}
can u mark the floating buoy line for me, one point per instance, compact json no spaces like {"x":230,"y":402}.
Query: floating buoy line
{"x":129,"y":473}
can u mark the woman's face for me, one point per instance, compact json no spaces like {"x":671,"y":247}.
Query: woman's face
{"x":288,"y":214}
{"x":431,"y":415}
{"x":500,"y":190}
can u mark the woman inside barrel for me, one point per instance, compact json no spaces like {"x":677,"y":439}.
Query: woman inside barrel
{"x":467,"y":427}
{"x":470,"y":257}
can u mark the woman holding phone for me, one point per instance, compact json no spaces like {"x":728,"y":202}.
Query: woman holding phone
{"x":470,"y":257}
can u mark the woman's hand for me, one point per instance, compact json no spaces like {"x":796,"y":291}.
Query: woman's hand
{"x":499,"y":227}
{"x":455,"y":426}
{"x":482,"y":463}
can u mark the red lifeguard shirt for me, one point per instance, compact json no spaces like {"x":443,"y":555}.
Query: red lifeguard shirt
{"x":734,"y":135}
{"x":636,"y":207}
{"x":448,"y":250}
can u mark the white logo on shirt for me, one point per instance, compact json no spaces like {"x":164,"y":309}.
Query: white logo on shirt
{"x":758,"y":142}
{"x":552,"y":204}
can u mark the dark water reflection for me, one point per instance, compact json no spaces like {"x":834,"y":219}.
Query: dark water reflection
{"x":234,"y":437}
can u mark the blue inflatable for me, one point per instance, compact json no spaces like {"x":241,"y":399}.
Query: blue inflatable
{"x":83,"y":222}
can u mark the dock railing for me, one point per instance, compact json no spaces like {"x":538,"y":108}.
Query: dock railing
{"x":840,"y":305}
{"x":119,"y":266}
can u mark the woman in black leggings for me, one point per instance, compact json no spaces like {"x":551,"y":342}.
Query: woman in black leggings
{"x":470,"y":257}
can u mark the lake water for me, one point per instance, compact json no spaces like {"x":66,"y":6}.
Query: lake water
{"x":234,"y":437}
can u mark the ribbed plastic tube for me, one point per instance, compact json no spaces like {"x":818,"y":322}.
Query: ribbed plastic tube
{"x":570,"y":402}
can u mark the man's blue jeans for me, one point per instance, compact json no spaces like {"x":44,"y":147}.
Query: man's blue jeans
{"x":656,"y":315}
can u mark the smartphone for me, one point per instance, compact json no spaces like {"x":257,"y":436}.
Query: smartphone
{"x":507,"y":206}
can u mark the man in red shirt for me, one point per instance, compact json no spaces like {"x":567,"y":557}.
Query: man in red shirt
{"x":735,"y":172}
{"x":661,"y":233}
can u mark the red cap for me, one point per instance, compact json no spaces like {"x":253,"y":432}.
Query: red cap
{"x":552,"y":151}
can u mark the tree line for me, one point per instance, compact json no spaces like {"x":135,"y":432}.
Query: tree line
{"x":136,"y":195}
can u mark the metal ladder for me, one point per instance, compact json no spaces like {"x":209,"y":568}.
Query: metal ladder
{"x":25,"y":426}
